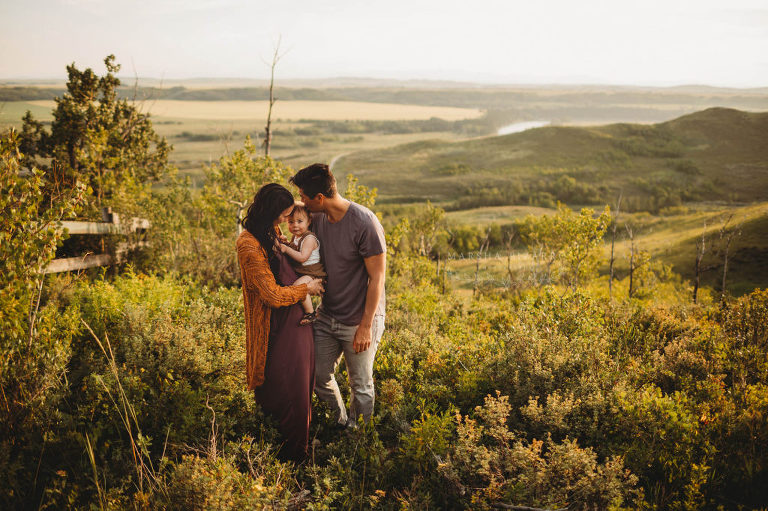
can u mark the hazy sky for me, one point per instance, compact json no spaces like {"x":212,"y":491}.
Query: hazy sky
{"x":644,"y":42}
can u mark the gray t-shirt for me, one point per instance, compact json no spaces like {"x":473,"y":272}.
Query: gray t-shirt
{"x":343,"y":246}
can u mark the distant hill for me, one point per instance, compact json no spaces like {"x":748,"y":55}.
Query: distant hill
{"x":717,"y":154}
{"x":544,"y":98}
{"x":582,"y":104}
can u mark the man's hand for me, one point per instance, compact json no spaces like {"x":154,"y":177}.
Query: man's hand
{"x":362,"y":339}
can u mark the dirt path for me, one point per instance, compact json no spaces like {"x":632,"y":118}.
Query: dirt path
{"x":335,"y":159}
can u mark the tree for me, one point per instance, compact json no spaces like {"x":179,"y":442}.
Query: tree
{"x":633,"y":254}
{"x":726,"y":238}
{"x":427,"y":225}
{"x":699,"y":266}
{"x":614,"y":222}
{"x":567,"y":244}
{"x":195,"y":234}
{"x":33,"y":349}
{"x":276,"y":56}
{"x":95,"y":138}
{"x":720,"y":248}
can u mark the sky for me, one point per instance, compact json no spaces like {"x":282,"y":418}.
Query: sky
{"x":622,"y":42}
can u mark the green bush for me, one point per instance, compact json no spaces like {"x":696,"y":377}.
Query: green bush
{"x":489,"y":465}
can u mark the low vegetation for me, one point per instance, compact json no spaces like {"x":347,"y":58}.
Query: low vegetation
{"x":124,"y":388}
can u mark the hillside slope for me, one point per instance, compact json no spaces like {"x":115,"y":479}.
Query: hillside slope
{"x":716,"y":154}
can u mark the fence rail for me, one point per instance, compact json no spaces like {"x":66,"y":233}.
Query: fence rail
{"x":110,"y":226}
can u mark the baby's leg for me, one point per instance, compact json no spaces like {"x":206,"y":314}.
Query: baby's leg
{"x":306,"y":304}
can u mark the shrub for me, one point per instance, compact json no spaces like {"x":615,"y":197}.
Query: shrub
{"x":488,"y":466}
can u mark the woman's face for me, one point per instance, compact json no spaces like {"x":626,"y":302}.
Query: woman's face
{"x":283,"y":216}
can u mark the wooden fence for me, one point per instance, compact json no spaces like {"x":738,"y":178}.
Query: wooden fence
{"x":110,"y":225}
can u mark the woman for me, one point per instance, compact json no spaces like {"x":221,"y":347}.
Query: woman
{"x":280,"y":359}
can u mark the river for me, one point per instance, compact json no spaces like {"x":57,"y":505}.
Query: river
{"x":517,"y":127}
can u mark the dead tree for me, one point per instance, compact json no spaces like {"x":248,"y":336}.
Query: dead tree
{"x":631,"y":235}
{"x":508,"y":244}
{"x":699,"y":268}
{"x":613,"y":243}
{"x":726,"y":237}
{"x":276,"y":56}
{"x":483,"y":247}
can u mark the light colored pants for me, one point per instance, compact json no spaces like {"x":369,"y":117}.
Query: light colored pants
{"x":332,"y":339}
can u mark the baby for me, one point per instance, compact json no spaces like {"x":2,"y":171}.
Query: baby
{"x":304,"y":250}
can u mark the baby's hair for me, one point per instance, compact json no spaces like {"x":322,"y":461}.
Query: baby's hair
{"x":299,"y":207}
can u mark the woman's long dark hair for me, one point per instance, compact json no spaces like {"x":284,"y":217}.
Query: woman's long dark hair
{"x":268,"y":203}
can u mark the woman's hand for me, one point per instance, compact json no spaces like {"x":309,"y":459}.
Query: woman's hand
{"x":315,"y":287}
{"x":279,"y":247}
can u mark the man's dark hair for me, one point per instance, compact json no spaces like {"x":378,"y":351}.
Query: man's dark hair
{"x":317,"y":178}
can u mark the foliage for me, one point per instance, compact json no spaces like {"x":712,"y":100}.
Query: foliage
{"x":566,"y":244}
{"x":427,"y":233}
{"x":194,"y":234}
{"x":95,"y":138}
{"x":599,"y":404}
{"x":34,"y":343}
{"x":489,"y":464}
{"x":360,"y":194}
{"x":212,"y":480}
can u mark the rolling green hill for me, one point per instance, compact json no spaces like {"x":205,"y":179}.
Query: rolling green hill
{"x":716,"y":154}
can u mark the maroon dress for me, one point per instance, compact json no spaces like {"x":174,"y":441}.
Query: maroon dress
{"x":289,"y":374}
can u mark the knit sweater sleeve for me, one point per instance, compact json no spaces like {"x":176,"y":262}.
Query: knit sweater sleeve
{"x":258,"y":277}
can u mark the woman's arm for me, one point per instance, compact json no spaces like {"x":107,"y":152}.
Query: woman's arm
{"x":257,"y":276}
{"x":309,"y":244}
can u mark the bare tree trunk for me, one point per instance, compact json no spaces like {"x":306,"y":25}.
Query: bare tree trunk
{"x":508,"y":243}
{"x":483,"y":246}
{"x":272,"y":99}
{"x":613,"y":244}
{"x":726,"y":252}
{"x":477,"y":271}
{"x":631,"y":259}
{"x":725,"y":272}
{"x":445,"y":275}
{"x":701,"y":249}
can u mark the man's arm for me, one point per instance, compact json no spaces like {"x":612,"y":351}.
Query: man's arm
{"x":376,"y":266}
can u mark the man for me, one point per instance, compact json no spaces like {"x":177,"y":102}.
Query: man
{"x":350,"y":320}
